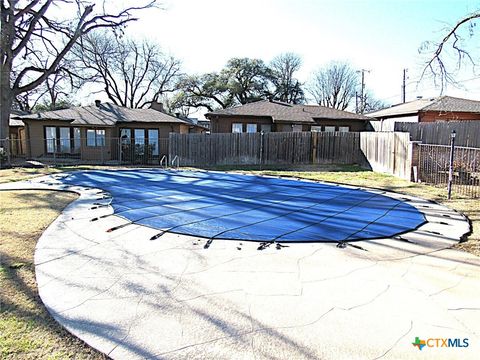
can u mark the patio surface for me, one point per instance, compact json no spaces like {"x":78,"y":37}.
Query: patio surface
{"x":172,"y":298}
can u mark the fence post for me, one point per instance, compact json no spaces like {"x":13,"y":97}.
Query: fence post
{"x":119,"y":147}
{"x":8,"y":147}
{"x":262,"y":133}
{"x":450,"y":167}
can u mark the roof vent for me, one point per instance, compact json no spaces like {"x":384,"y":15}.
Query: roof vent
{"x":97,"y":103}
{"x":419,"y":97}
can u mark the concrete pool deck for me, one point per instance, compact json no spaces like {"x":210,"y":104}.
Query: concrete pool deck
{"x":171,"y":298}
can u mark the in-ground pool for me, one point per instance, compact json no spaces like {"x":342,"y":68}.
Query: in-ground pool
{"x":218,"y":205}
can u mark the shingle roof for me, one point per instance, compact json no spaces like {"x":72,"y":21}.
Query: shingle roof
{"x":442,"y":103}
{"x":283,"y":112}
{"x":14,"y":121}
{"x":106,"y":114}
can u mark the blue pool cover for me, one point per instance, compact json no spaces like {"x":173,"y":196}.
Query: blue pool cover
{"x":218,"y":205}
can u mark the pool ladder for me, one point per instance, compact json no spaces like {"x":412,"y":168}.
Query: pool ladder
{"x":164,"y":162}
{"x":177,"y":160}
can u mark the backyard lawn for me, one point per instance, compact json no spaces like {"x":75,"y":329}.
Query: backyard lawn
{"x":27,"y":330}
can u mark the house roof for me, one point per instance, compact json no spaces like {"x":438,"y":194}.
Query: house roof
{"x":106,"y":114}
{"x":284,"y":112}
{"x":442,"y":103}
{"x":14,"y":121}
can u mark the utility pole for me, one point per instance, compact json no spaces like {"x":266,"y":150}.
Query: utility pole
{"x":404,"y":86}
{"x":362,"y":91}
{"x":356,"y":102}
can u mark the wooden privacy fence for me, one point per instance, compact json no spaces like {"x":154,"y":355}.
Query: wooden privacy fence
{"x":268,"y":148}
{"x":386,"y":152}
{"x":468,"y":132}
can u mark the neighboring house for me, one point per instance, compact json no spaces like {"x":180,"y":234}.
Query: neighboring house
{"x":101,"y":131}
{"x":277,"y":116}
{"x":443,"y":108}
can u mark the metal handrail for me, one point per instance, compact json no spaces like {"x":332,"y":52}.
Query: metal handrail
{"x":175,"y":158}
{"x":164,"y":161}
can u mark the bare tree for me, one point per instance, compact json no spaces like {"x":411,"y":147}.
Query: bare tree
{"x":438,"y":62}
{"x":29,"y":29}
{"x":334,"y":85}
{"x":371,"y":103}
{"x":286,"y":87}
{"x":132,"y":74}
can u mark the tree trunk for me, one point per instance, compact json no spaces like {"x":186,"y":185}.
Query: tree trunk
{"x":6,"y":99}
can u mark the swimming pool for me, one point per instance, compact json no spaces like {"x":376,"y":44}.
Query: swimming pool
{"x":229,"y":206}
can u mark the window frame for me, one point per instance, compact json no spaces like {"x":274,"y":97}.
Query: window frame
{"x":98,"y":139}
{"x":240,"y":125}
{"x":131,"y":140}
{"x":72,"y":140}
{"x":251,"y":125}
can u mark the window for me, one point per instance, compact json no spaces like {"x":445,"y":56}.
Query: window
{"x":251,"y":128}
{"x":139,"y":136}
{"x":51,"y":138}
{"x":237,"y":128}
{"x":153,"y":140}
{"x":76,"y":140}
{"x":95,"y":137}
{"x":344,"y":128}
{"x":329,"y":128}
{"x":296,"y":128}
{"x":316,"y":128}
{"x":62,"y":139}
{"x":266,"y":128}
{"x":65,"y":140}
{"x":125,"y":136}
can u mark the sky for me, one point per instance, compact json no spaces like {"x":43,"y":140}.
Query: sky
{"x":383,"y":37}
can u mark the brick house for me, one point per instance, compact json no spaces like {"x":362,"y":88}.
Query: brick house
{"x":443,"y":108}
{"x":277,"y":116}
{"x":101,"y":131}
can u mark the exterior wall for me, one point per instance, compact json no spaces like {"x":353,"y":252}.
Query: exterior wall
{"x":35,"y":133}
{"x":431,"y":116}
{"x":36,"y":137}
{"x":163,"y":129}
{"x":388,"y":124}
{"x":352,"y":124}
{"x":223,"y":124}
{"x":287,"y":127}
{"x":220,"y":124}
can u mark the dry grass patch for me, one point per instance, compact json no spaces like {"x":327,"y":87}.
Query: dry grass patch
{"x":27,"y":331}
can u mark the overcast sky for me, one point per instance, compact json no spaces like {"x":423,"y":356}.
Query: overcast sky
{"x":382,"y":36}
